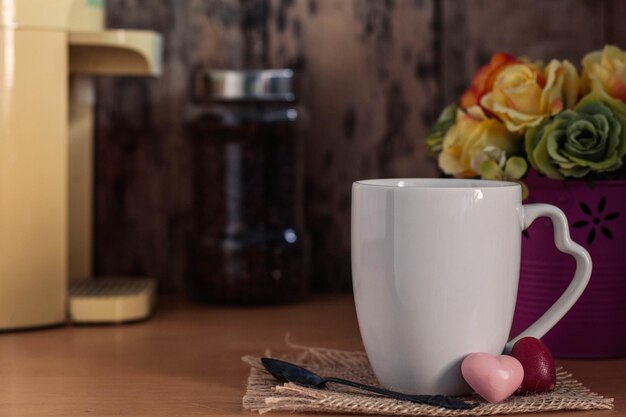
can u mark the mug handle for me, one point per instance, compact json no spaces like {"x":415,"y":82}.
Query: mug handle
{"x":581,"y":278}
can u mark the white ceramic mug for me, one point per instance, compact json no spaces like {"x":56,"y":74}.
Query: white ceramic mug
{"x":435,"y":266}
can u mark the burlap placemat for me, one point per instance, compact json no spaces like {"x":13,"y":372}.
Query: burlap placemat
{"x":264,"y":393}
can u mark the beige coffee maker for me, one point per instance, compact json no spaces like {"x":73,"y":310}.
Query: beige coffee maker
{"x":49,"y":49}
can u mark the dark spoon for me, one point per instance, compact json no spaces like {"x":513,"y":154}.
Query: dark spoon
{"x":288,"y":372}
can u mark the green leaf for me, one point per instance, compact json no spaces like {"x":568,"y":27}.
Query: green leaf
{"x":435,"y":135}
{"x":490,"y":170}
{"x":448,"y":113}
{"x":524,"y":189}
{"x":515,"y":168}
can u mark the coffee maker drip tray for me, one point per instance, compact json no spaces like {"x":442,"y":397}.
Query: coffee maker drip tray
{"x":111,"y":300}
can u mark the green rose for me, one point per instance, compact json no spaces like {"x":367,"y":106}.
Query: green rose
{"x":591,"y":138}
{"x":434,"y":137}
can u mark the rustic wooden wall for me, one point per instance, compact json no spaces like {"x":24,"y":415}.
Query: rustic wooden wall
{"x":375,"y":73}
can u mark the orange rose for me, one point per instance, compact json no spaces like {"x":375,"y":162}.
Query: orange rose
{"x":523,"y":95}
{"x":605,"y":72}
{"x":483,"y":80}
{"x":473,"y":139}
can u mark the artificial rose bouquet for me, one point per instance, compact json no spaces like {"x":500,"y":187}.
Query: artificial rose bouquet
{"x":518,"y":112}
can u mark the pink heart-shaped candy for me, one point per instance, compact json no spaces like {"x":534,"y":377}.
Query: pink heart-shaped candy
{"x":494,"y":378}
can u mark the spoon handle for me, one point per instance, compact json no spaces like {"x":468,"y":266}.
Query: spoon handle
{"x":434,"y":400}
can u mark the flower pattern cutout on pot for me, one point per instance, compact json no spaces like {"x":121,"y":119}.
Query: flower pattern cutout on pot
{"x":598,"y":220}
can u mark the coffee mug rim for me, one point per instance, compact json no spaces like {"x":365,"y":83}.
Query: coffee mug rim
{"x":435,"y":183}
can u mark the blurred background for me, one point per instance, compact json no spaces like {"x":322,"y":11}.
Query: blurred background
{"x":373,"y":75}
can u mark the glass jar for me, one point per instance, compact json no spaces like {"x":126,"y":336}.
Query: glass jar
{"x":249,"y":245}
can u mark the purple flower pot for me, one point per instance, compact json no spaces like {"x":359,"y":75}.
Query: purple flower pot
{"x":596,"y":325}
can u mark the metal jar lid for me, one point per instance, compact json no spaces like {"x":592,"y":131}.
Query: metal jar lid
{"x":243,"y":85}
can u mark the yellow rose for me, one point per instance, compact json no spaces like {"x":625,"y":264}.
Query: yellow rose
{"x":525,"y":94}
{"x":605,"y":72}
{"x":473,"y":139}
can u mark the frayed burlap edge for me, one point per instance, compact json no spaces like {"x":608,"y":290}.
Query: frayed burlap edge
{"x":265,"y":394}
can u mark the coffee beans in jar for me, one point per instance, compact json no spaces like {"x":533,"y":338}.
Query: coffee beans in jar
{"x":248,"y":242}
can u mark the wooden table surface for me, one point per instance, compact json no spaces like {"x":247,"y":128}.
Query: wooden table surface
{"x":185,"y":361}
